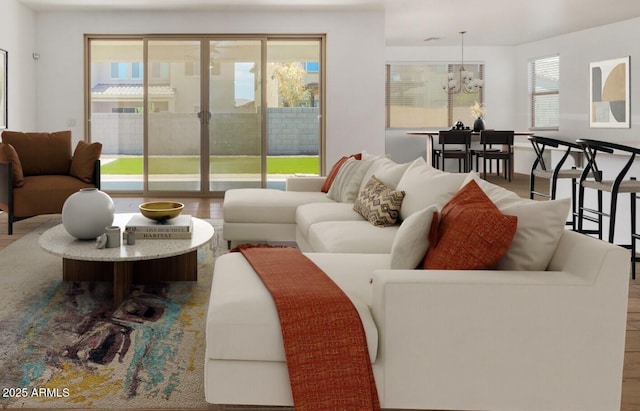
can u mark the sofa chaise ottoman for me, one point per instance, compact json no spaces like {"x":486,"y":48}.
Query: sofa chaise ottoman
{"x":254,"y":214}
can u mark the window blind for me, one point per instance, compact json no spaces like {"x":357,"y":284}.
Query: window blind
{"x":415,"y":98}
{"x":545,"y":92}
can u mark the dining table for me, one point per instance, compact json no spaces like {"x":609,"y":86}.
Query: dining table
{"x":475,"y":137}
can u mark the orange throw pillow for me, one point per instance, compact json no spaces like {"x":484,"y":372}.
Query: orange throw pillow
{"x":84,"y":160}
{"x":334,"y":171}
{"x":472,"y":235}
{"x":8,"y":154}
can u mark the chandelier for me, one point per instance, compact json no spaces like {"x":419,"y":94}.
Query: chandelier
{"x":462,"y":80}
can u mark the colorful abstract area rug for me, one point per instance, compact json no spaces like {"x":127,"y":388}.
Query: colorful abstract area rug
{"x":64,"y":345}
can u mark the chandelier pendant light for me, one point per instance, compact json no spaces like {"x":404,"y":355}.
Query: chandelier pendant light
{"x":462,"y":80}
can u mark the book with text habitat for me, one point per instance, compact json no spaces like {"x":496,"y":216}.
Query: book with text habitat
{"x":140,"y":223}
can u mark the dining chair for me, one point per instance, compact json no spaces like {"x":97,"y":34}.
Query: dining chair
{"x":540,"y":169}
{"x":496,"y":145}
{"x":453,"y":144}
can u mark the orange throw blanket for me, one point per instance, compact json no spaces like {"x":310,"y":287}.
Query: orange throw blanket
{"x":324,"y":341}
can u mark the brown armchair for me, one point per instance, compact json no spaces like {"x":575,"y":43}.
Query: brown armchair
{"x":38,"y":172}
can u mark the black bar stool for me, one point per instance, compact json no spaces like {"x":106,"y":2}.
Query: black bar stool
{"x":454,"y":138}
{"x":539,"y":168}
{"x":592,"y":178}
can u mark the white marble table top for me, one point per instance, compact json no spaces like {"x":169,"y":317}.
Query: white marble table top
{"x":58,"y":242}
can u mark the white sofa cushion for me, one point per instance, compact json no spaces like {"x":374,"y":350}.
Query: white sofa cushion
{"x":540,"y":226}
{"x":242,"y":320}
{"x":412,"y":239}
{"x":386,"y":170}
{"x":351,"y":237}
{"x":261,"y":205}
{"x":424,"y":186}
{"x":346,"y":185}
{"x":500,"y":196}
{"x":309,"y":214}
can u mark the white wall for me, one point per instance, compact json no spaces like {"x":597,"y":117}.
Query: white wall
{"x":355,"y":63}
{"x":18,"y":38}
{"x":355,"y":56}
{"x":576,"y":51}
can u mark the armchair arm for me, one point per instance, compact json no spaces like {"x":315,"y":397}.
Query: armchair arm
{"x":6,"y":186}
{"x":305,"y":183}
{"x":96,"y":174}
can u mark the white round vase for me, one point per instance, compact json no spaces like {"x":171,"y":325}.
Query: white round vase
{"x":86,"y":213}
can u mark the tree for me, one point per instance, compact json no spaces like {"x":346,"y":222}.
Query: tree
{"x":291,"y":84}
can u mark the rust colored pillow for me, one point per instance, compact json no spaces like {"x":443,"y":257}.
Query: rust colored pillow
{"x":334,"y":171}
{"x":84,"y":160}
{"x":8,"y":154}
{"x":472,"y":235}
{"x":41,"y":153}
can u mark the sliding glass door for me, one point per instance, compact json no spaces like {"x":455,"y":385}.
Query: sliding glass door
{"x":115,"y":101}
{"x":294,"y":102}
{"x":187,"y":114}
{"x":173,"y":106}
{"x":234,"y":114}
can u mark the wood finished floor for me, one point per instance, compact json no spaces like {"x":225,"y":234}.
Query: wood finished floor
{"x":212,"y":208}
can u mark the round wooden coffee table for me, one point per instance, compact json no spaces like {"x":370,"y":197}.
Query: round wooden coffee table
{"x":146,"y":261}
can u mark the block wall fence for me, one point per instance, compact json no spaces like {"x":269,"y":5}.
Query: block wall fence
{"x":290,"y":131}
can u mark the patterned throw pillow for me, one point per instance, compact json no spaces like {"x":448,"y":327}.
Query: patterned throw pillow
{"x":378,"y":203}
{"x":472,"y":235}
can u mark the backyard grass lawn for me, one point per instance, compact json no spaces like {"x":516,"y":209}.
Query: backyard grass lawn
{"x":218,"y":164}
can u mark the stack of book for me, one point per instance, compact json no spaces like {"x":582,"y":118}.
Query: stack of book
{"x":179,"y":227}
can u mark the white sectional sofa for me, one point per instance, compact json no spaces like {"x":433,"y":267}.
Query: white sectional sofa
{"x":545,"y":331}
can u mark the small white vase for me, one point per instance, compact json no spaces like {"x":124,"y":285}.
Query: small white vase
{"x":87,"y":213}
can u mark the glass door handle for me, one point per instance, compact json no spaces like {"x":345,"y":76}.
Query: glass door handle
{"x":204,"y":118}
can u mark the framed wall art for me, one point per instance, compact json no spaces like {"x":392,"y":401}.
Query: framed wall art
{"x":609,"y":93}
{"x":3,"y":89}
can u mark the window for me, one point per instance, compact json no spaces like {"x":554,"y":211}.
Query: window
{"x":415,"y":98}
{"x":192,"y":69}
{"x":160,"y":70}
{"x":312,"y":67}
{"x":544,"y":88}
{"x":244,"y":83}
{"x":119,"y":71}
{"x":137,"y":70}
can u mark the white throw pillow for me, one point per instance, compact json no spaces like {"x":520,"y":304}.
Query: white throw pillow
{"x":412,"y":240}
{"x":500,"y":196}
{"x":343,"y":175}
{"x":368,"y":156}
{"x":387,"y":171}
{"x":346,"y":185}
{"x":540,"y":226}
{"x":424,"y":186}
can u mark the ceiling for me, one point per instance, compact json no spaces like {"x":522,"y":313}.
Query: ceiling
{"x":409,"y":22}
